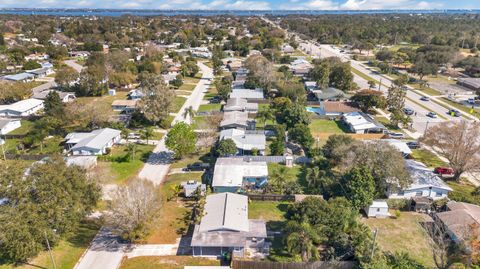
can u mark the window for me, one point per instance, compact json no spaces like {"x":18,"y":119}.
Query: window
{"x":400,"y":193}
{"x":438,"y":194}
{"x":378,"y":209}
{"x":419,"y":193}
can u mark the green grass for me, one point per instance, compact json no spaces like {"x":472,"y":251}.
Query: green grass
{"x":426,"y":108}
{"x":426,"y":90}
{"x":404,"y":234}
{"x":167,"y":262}
{"x":461,"y":107}
{"x":66,"y":253}
{"x":293,"y":172}
{"x":427,"y":157}
{"x":177,"y":103}
{"x":187,"y":87}
{"x":463,"y":191}
{"x":209,"y":107}
{"x":267,"y":210}
{"x":24,"y":129}
{"x":192,"y":158}
{"x":326,"y":126}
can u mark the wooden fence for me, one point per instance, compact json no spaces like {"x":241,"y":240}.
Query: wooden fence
{"x":271,"y":197}
{"x":241,"y":264}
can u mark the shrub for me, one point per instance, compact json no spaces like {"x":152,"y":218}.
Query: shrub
{"x":398,"y":204}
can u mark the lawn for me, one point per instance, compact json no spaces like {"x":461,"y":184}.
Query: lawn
{"x":426,"y":90}
{"x":463,"y":191}
{"x":196,"y":157}
{"x":24,"y":129}
{"x":119,"y":167}
{"x":178,"y":102}
{"x":67,"y":252}
{"x":209,"y":107}
{"x":167,"y":262}
{"x":403,"y":235}
{"x":51,"y":145}
{"x":172,"y":222}
{"x":187,"y":87}
{"x":427,"y":157}
{"x":267,"y":210}
{"x":326,"y":126}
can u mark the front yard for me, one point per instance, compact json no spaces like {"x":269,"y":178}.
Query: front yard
{"x":167,"y":262}
{"x":404,"y":235}
{"x":427,"y":157}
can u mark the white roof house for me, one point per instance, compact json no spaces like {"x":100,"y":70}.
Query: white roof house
{"x":240,"y":104}
{"x":245,"y":141}
{"x":235,"y":174}
{"x":397,"y":144}
{"x":8,"y":125}
{"x":225,"y":227}
{"x":94,"y":143}
{"x":425,"y":183}
{"x":249,"y":94}
{"x":359,"y":123}
{"x":22,"y":108}
{"x":236,"y":119}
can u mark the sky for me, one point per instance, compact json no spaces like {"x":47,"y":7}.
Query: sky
{"x":246,"y":4}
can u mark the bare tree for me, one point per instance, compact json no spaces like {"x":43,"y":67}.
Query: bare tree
{"x":208,"y":136}
{"x":262,"y":69}
{"x":458,"y":142}
{"x":133,"y":208}
{"x":439,"y":243}
{"x":158,"y":98}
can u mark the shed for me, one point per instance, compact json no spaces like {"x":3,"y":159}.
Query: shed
{"x":378,"y":209}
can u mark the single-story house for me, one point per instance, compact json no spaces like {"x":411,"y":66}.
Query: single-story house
{"x":125,"y":106}
{"x":459,"y":220}
{"x":245,"y":141}
{"x":238,"y":120}
{"x":378,"y":209}
{"x":470,"y":83}
{"x":20,"y":77}
{"x":135,"y":94}
{"x":239,"y":104}
{"x":191,"y":186}
{"x":329,"y":94}
{"x":235,"y":175}
{"x":41,"y":72}
{"x":399,"y":145}
{"x":311,"y":86}
{"x":300,"y":67}
{"x":94,"y":143}
{"x":66,"y":97}
{"x":249,"y":94}
{"x":286,"y":48}
{"x":425,"y":184}
{"x":8,"y":125}
{"x":23,"y":108}
{"x":361,"y":123}
{"x":334,"y":109}
{"x":225,"y":228}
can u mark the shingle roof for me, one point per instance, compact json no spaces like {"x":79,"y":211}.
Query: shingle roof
{"x":244,"y":140}
{"x":19,"y":77}
{"x":225,"y":211}
{"x":423,"y":177}
{"x":239,"y":104}
{"x":96,"y":139}
{"x":459,"y":217}
{"x":235,"y":117}
{"x":247,"y":93}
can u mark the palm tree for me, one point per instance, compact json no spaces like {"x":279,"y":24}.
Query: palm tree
{"x":279,"y":179}
{"x":131,"y":150}
{"x":189,"y":111}
{"x":313,"y":176}
{"x":147,"y":133}
{"x":265,"y":114}
{"x":301,"y":240}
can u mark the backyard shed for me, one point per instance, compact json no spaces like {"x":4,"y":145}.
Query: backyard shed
{"x":378,"y":209}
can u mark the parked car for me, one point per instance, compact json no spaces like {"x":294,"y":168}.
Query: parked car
{"x":444,"y":171}
{"x":408,"y":111}
{"x":215,"y":100}
{"x":396,"y":135}
{"x":432,"y":114}
{"x":133,"y":136}
{"x":198,"y":166}
{"x":454,"y":112}
{"x":425,"y":98}
{"x":413,"y":145}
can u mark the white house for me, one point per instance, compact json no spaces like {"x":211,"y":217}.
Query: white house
{"x":248,"y":94}
{"x":41,"y":72}
{"x":361,"y":123}
{"x":225,"y":228}
{"x":245,"y":141}
{"x":94,"y":143}
{"x":239,"y":104}
{"x":23,"y":108}
{"x":8,"y":125}
{"x":66,"y":97}
{"x":20,"y":77}
{"x":235,"y":174}
{"x":378,"y":209}
{"x":425,"y":184}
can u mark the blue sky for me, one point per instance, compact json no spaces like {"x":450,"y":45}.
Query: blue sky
{"x":246,"y":4}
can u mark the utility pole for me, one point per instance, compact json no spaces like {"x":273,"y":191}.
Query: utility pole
{"x":2,"y":143}
{"x":426,"y":127}
{"x":380,"y":85}
{"x":375,"y":233}
{"x":50,"y":251}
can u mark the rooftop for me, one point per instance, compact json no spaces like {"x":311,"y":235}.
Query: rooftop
{"x":23,"y":105}
{"x":230,"y":172}
{"x":361,"y":121}
{"x":96,"y":139}
{"x":247,"y":93}
{"x":234,"y":117}
{"x":244,"y":140}
{"x":423,"y":177}
{"x":459,"y":217}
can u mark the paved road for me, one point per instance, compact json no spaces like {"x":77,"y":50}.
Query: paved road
{"x":73,"y":64}
{"x":159,"y":161}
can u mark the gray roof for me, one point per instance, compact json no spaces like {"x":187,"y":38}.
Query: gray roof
{"x":5,"y":122}
{"x":23,"y":105}
{"x":19,"y":77}
{"x":43,"y":94}
{"x":423,"y":177}
{"x":329,"y":93}
{"x":230,"y":172}
{"x":96,"y":139}
{"x":244,"y":140}
{"x":39,"y":71}
{"x":235,"y":117}
{"x":473,"y":82}
{"x":239,"y":104}
{"x":247,"y":93}
{"x":459,"y":217}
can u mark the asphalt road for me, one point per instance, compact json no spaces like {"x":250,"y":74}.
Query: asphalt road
{"x":73,"y":64}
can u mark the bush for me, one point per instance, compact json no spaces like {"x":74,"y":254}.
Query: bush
{"x":398,"y":204}
{"x":397,"y":213}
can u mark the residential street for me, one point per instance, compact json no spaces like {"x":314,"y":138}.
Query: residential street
{"x":73,"y":64}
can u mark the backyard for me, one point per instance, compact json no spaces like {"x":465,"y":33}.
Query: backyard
{"x":167,"y":262}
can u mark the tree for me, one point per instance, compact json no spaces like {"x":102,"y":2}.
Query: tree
{"x":301,"y":240}
{"x":157,"y":98}
{"x":359,"y":187}
{"x":261,"y":70}
{"x":226,"y":147}
{"x":131,"y":151}
{"x":293,"y":115}
{"x":265,"y":114}
{"x":368,"y":99}
{"x":395,"y":104}
{"x":189,"y":69}
{"x":181,"y":139}
{"x":277,"y":147}
{"x":301,"y":134}
{"x":458,"y":143}
{"x":223,"y":89}
{"x":321,"y":74}
{"x":424,"y":68}
{"x":31,"y":64}
{"x":318,"y":180}
{"x":341,"y":77}
{"x":92,"y":81}
{"x":278,"y":181}
{"x":147,"y":133}
{"x":65,"y":76}
{"x":336,"y":148}
{"x":133,"y":209}
{"x":53,"y":105}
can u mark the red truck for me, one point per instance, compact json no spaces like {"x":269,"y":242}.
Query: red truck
{"x":444,"y":171}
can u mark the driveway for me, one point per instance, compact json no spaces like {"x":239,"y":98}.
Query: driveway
{"x":73,"y":64}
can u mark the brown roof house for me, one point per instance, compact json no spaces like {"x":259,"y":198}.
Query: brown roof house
{"x":459,"y":220}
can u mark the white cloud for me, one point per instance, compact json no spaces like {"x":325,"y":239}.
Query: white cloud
{"x":390,"y":4}
{"x":312,"y":4}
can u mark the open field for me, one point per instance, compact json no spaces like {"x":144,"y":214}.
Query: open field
{"x":404,"y":235}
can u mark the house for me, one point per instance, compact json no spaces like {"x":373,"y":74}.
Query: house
{"x":94,"y":143}
{"x":425,"y":184}
{"x":329,"y":94}
{"x":249,"y":94}
{"x":20,"y":77}
{"x":23,"y":108}
{"x":459,"y":220}
{"x":124,"y":106}
{"x":191,"y":186}
{"x":335,"y":109}
{"x":8,"y":125}
{"x":378,"y":209}
{"x":300,"y":67}
{"x":361,"y":123}
{"x":470,"y":83}
{"x":239,"y":104}
{"x":135,"y":94}
{"x":41,"y":72}
{"x":79,"y":54}
{"x":246,"y":141}
{"x":225,"y":228}
{"x":66,"y":97}
{"x":287,"y":49}
{"x":238,"y":120}
{"x":399,"y":145}
{"x":236,"y":174}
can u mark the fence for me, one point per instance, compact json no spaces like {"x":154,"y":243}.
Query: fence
{"x":241,"y":264}
{"x":271,"y":197}
{"x":275,"y":159}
